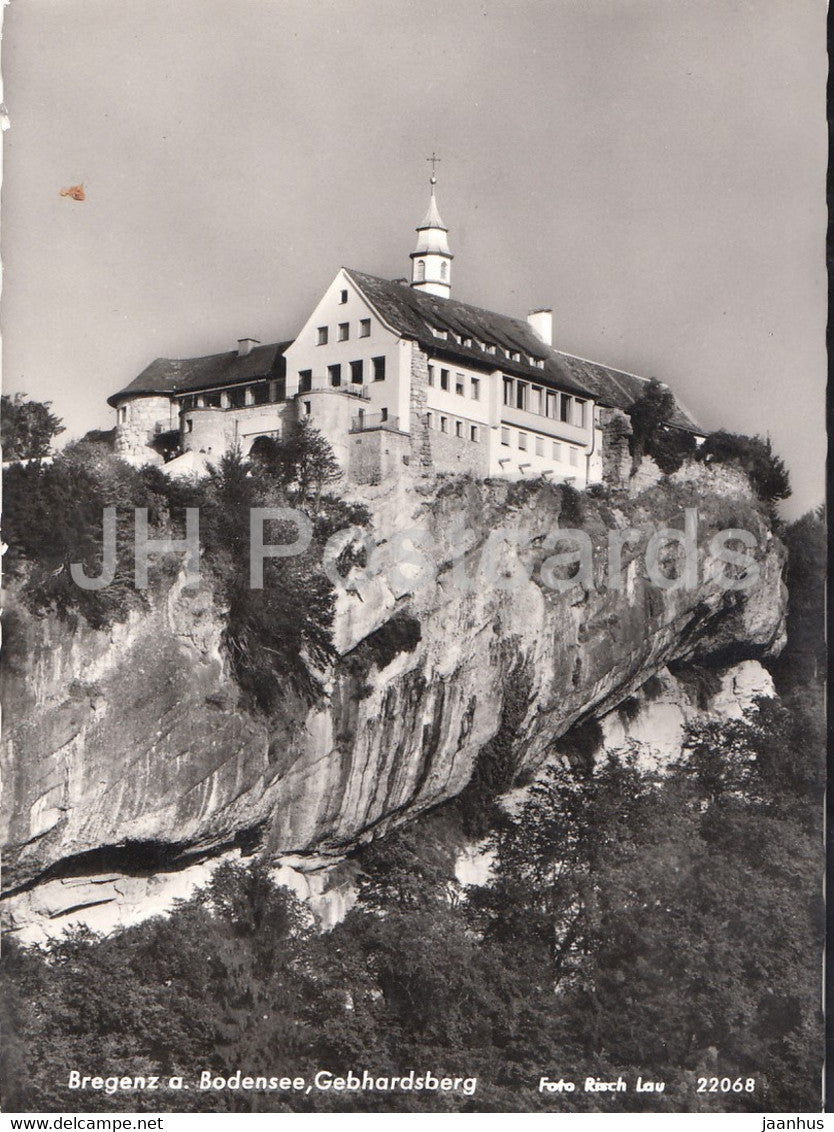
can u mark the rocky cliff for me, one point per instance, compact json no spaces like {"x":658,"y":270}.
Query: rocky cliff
{"x":131,"y":748}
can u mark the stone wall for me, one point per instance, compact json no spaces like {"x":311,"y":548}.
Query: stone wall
{"x":421,"y":448}
{"x":377,"y":454}
{"x":616,"y":458}
{"x":459,"y":454}
{"x":147,"y":417}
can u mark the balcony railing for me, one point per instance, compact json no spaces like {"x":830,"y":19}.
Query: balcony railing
{"x":320,"y":384}
{"x":367,"y":421}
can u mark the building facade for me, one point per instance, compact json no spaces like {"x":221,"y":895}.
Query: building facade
{"x":395,"y":373}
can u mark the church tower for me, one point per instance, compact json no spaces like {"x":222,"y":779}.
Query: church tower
{"x":431,"y":260}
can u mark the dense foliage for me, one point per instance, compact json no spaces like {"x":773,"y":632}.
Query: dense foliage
{"x":766,"y":471}
{"x":27,"y":428}
{"x":278,"y":638}
{"x":652,"y":435}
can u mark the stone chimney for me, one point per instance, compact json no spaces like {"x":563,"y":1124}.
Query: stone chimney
{"x":245,"y":345}
{"x":542,"y":322}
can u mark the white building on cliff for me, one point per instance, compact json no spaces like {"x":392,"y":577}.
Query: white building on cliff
{"x":396,"y":373}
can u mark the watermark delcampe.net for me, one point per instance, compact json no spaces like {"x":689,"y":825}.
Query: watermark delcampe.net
{"x":563,"y":558}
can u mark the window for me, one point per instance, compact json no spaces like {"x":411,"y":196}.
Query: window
{"x":379,"y":368}
{"x":473,"y":433}
{"x":444,"y":424}
{"x":536,"y":399}
{"x":521,"y":394}
{"x":522,"y":441}
{"x":189,"y":426}
{"x":505,"y":437}
{"x":508,"y":391}
{"x":557,"y":451}
{"x":335,"y":375}
{"x":343,"y":297}
{"x":237,"y":398}
{"x":539,"y":446}
{"x":431,"y":375}
{"x":444,"y":269}
{"x":459,"y":429}
{"x":459,"y":384}
{"x":307,"y":408}
{"x":344,"y":331}
{"x":421,"y":270}
{"x":356,"y":372}
{"x":383,"y":416}
{"x":123,"y":413}
{"x":321,"y":336}
{"x":552,"y":405}
{"x":565,"y":408}
{"x":579,"y":415}
{"x":475,"y":386}
{"x":430,"y":420}
{"x":444,"y":379}
{"x":466,"y":342}
{"x":305,"y":380}
{"x":364,"y":328}
{"x":515,"y":356}
{"x":573,"y":456}
{"x":260,"y":394}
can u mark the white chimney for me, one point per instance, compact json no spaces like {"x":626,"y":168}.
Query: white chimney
{"x":542,"y":322}
{"x":244,"y":346}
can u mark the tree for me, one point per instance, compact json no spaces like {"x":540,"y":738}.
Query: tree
{"x":27,"y":427}
{"x":649,"y":414}
{"x":302,"y":462}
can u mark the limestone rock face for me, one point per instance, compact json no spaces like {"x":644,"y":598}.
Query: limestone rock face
{"x":136,"y":738}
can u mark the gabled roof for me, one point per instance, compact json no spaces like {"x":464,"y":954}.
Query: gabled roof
{"x":181,"y":375}
{"x":414,"y":314}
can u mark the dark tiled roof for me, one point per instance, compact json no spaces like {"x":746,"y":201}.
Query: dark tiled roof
{"x":181,"y":375}
{"x":414,"y":313}
{"x":619,"y":390}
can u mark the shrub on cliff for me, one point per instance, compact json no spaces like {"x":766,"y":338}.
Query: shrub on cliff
{"x":766,"y":471}
{"x":651,"y":435}
{"x":53,"y":517}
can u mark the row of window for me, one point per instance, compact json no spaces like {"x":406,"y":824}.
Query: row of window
{"x":487,"y":347}
{"x":463,"y":430}
{"x":342,"y":331}
{"x":540,"y":446}
{"x":460,"y":383}
{"x":242,"y":396}
{"x":545,"y":402}
{"x":353,"y":374}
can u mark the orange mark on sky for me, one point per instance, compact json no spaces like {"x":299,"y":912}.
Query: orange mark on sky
{"x":75,"y":191}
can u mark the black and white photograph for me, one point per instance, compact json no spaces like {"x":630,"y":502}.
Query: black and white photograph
{"x":414,"y":557}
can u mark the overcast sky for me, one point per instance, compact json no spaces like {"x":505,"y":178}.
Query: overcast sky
{"x":654,"y":170}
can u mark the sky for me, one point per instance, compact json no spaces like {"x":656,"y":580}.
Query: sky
{"x":653,"y":170}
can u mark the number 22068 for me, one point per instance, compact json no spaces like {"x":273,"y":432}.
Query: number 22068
{"x":726,"y":1085}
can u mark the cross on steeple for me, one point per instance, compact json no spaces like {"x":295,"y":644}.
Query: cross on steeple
{"x":434,"y":162}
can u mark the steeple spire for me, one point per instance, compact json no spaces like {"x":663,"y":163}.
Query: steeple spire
{"x":431,"y":260}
